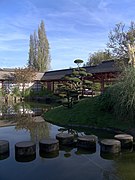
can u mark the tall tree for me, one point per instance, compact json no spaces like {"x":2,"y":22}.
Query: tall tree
{"x":122,"y":41}
{"x":31,"y":52}
{"x":35,"y":40}
{"x":39,"y":55}
{"x":97,"y":57}
{"x":43,"y":49}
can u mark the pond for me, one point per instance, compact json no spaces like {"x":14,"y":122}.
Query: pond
{"x":69,"y":163}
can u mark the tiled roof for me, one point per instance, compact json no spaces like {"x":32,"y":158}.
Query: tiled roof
{"x":5,"y":75}
{"x":105,"y":66}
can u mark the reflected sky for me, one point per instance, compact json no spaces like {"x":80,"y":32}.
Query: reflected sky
{"x":68,"y":164}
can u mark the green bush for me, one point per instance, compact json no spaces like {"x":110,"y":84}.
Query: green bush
{"x":120,"y":98}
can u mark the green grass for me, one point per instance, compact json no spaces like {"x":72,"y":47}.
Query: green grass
{"x":86,"y":112}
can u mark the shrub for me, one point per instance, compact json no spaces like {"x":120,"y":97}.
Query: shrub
{"x":120,"y":98}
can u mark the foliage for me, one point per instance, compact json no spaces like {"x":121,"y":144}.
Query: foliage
{"x":97,"y":57}
{"x":120,"y":98}
{"x":86,"y":112}
{"x":16,"y":91}
{"x":41,"y":95}
{"x":33,"y":50}
{"x":96,"y":86}
{"x":39,"y":56}
{"x":74,"y":84}
{"x":120,"y":38}
{"x":120,"y":46}
{"x":1,"y":93}
{"x":78,"y":61}
{"x":23,"y":76}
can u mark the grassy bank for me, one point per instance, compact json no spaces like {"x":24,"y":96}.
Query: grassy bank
{"x":86,"y":112}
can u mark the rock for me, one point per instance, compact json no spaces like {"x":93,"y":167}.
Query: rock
{"x":48,"y":145}
{"x":25,"y":148}
{"x":125,"y":139}
{"x":4,"y":146}
{"x":87,"y":142}
{"x":65,"y":138}
{"x":110,"y":146}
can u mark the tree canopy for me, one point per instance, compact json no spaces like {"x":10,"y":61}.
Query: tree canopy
{"x":120,"y":39}
{"x":23,"y":76}
{"x":120,"y":46}
{"x":97,"y":57}
{"x":74,"y":84}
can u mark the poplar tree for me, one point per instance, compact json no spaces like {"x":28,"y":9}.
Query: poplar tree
{"x":31,"y":52}
{"x":39,"y":56}
{"x":35,"y":47}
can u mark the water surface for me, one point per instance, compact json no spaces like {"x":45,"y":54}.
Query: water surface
{"x":69,"y":164}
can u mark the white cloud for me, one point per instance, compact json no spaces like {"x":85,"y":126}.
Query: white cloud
{"x":74,"y":28}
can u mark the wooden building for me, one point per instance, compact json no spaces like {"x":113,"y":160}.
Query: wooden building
{"x":7,"y":80}
{"x":105,"y":72}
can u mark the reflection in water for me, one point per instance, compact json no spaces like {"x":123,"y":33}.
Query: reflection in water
{"x":4,"y":156}
{"x":67,"y":155}
{"x":38,"y":130}
{"x":66,"y":149}
{"x":86,"y":164}
{"x":23,"y":115}
{"x":12,"y":110}
{"x":81,"y":151}
{"x":25,"y":159}
{"x":109,"y":156}
{"x":49,"y":155}
{"x":126,"y":166}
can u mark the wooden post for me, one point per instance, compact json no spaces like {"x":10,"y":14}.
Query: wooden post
{"x":102,"y":84}
{"x":49,"y":86}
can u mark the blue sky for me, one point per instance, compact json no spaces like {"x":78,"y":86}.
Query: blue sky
{"x":74,"y":28}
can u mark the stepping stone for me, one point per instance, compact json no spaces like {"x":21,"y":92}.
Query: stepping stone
{"x":4,"y":146}
{"x":110,"y":146}
{"x":87,"y":142}
{"x":65,"y":138}
{"x":48,"y":145}
{"x":125,"y":139}
{"x":25,"y":148}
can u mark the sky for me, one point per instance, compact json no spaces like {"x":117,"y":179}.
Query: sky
{"x":74,"y":28}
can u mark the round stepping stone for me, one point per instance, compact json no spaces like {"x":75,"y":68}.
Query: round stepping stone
{"x":125,"y":139}
{"x":65,"y":138}
{"x":110,"y":146}
{"x":87,"y":142}
{"x":25,"y":148}
{"x":48,"y":145}
{"x":4,"y":146}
